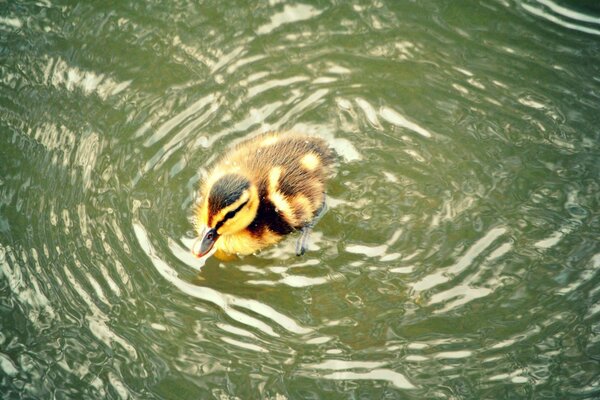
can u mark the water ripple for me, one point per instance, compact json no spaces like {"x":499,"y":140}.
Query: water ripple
{"x":563,"y":16}
{"x":289,"y":14}
{"x":442,"y":276}
{"x":459,"y":256}
{"x":226,"y":302}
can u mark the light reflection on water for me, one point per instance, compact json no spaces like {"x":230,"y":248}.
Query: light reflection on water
{"x":459,"y":258}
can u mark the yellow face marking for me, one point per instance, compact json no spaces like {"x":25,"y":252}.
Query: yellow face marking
{"x":202,"y":211}
{"x":219,"y":217}
{"x":242,"y":218}
{"x":310,"y":161}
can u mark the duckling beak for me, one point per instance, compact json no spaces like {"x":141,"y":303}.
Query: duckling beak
{"x":204,"y":244}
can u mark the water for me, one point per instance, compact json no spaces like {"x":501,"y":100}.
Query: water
{"x":460,"y":256}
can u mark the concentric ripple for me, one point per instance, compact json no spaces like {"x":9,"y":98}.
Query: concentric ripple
{"x":459,"y":257}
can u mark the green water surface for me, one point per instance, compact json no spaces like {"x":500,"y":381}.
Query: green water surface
{"x":460,"y":257}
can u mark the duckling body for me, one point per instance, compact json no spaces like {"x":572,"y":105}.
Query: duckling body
{"x":261,"y":190}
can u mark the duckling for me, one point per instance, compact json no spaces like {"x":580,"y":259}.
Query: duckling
{"x":265,"y":188}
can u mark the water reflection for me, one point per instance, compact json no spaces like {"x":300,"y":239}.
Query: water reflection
{"x":290,"y":14}
{"x":226,"y":302}
{"x":564,"y":16}
{"x":459,"y":257}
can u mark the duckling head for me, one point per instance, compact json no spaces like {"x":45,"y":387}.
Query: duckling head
{"x":229,"y":205}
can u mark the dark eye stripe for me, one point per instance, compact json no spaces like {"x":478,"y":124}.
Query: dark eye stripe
{"x":229,"y":215}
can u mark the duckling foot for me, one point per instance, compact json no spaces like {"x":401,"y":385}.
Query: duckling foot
{"x":302,"y":243}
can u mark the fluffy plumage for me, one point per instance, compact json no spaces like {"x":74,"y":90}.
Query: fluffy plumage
{"x":261,"y":190}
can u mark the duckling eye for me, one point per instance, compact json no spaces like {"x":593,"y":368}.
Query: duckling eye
{"x":230,"y":215}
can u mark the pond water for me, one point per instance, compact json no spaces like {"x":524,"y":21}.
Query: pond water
{"x":459,"y":258}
